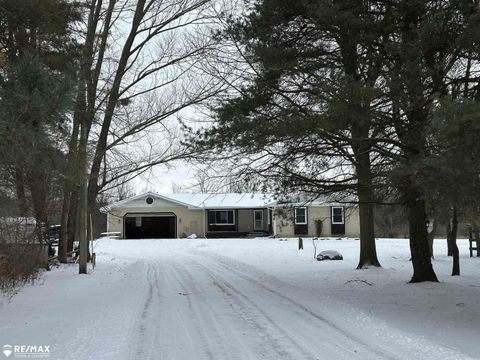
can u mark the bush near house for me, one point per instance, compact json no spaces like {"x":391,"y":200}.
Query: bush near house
{"x":21,"y":255}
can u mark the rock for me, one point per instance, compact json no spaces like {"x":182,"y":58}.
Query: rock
{"x":329,"y":255}
{"x":193,"y":236}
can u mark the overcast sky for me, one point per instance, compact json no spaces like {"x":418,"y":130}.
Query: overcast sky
{"x":162,"y":179}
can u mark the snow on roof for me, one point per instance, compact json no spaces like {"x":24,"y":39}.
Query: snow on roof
{"x":211,"y":201}
{"x":294,"y":200}
{"x":205,"y":200}
{"x":225,"y":201}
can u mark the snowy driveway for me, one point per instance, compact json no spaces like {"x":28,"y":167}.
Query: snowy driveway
{"x":201,"y":308}
{"x":187,"y":299}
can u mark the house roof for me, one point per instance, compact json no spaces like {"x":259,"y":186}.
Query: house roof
{"x":218,"y":201}
{"x":224,"y":201}
{"x":205,"y":201}
{"x":299,"y":199}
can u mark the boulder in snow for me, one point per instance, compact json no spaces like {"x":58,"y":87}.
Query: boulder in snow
{"x":193,"y":236}
{"x":329,"y":255}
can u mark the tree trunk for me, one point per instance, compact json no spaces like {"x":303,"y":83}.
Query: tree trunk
{"x":63,"y":241}
{"x":101,"y":148}
{"x":82,"y":203}
{"x":431,"y":237}
{"x":72,"y":221}
{"x":82,"y":207}
{"x":361,"y":148}
{"x":449,"y":240}
{"x":455,"y":252}
{"x":84,"y":122}
{"x":421,"y":260}
{"x":69,"y":183}
{"x":20,"y":188}
{"x":368,"y":251}
{"x":37,"y":180}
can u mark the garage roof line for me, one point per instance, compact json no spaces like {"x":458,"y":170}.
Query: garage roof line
{"x":205,"y":200}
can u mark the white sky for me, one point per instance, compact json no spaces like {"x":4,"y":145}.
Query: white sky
{"x":162,"y":179}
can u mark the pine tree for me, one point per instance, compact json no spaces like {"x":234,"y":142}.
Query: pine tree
{"x":311,"y":103}
{"x":425,"y":55}
{"x":36,"y":80}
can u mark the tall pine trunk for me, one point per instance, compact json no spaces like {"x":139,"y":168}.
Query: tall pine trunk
{"x":63,"y":241}
{"x":431,"y":237}
{"x":449,"y":240}
{"x":20,"y":189}
{"x":368,"y":251}
{"x":82,"y":203}
{"x":419,"y":248}
{"x":69,"y":183}
{"x":37,"y":180}
{"x":455,"y":252}
{"x":72,"y":221}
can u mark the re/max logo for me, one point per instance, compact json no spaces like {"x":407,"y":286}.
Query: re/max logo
{"x":30,"y":351}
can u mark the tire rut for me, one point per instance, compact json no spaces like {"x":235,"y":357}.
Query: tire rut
{"x":261,"y":321}
{"x":223,"y":266}
{"x":146,"y":335}
{"x":244,"y":308}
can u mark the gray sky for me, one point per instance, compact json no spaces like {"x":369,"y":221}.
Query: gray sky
{"x":161,"y":179}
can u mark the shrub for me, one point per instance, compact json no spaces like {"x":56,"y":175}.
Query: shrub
{"x":21,"y":256}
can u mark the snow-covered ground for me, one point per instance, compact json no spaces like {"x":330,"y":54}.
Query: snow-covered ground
{"x":248,"y":299}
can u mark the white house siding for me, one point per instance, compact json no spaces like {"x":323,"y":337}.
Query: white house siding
{"x":188,"y":220}
{"x":284,"y":221}
{"x":190,"y":211}
{"x":352,"y":222}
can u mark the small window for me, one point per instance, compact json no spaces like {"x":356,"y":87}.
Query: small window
{"x":221,"y":217}
{"x":149,"y":200}
{"x":338,"y":215}
{"x":301,"y":216}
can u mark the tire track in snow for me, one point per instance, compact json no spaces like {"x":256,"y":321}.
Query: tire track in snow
{"x":261,"y":323}
{"x":182,"y":323}
{"x":276,"y":334}
{"x":226,"y":336}
{"x":144,"y":337}
{"x":219,"y":266}
{"x":207,"y":309}
{"x":162,"y":313}
{"x":197,"y":316}
{"x":428,"y":350}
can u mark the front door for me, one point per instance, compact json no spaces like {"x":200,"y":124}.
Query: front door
{"x":258,"y":220}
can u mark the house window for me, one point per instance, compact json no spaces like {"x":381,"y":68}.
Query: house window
{"x":338,"y":215}
{"x":221,"y":217}
{"x":301,"y":216}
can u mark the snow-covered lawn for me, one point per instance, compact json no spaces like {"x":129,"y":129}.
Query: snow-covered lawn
{"x":191,"y":299}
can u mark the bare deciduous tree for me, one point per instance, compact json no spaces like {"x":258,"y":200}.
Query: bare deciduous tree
{"x":137,"y":74}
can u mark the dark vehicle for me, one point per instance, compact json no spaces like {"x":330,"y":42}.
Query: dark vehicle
{"x":53,"y":234}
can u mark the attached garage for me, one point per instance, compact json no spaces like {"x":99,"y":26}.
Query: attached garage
{"x":150,"y":225}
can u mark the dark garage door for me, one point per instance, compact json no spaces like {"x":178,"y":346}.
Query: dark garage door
{"x":148,"y":226}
